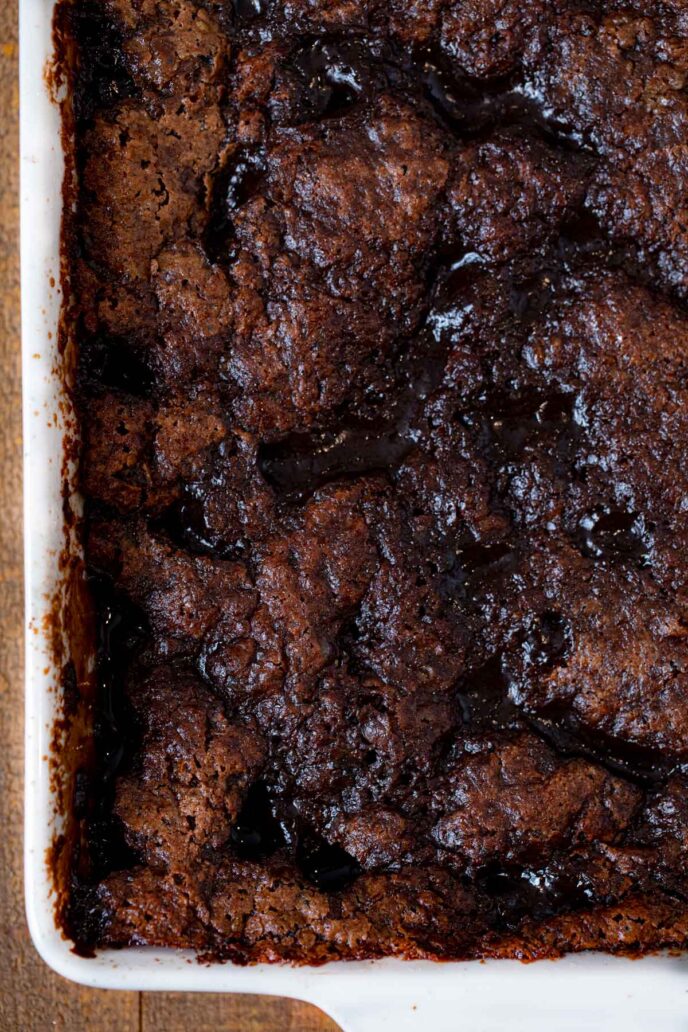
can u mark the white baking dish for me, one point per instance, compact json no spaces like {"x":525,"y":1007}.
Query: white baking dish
{"x":582,"y":992}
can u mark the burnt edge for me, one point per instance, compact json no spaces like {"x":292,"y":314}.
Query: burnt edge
{"x":68,"y":625}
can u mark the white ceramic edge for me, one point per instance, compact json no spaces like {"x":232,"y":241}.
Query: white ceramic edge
{"x":582,"y":992}
{"x":41,"y":168}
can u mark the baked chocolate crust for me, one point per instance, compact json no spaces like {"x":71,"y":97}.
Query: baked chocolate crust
{"x":383,"y":380}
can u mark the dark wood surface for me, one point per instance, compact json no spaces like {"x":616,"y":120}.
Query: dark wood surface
{"x":31,"y":996}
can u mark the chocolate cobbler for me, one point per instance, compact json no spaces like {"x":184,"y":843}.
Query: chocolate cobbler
{"x":382,"y":376}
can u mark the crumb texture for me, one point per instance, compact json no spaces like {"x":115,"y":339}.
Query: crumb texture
{"x":383,"y":379}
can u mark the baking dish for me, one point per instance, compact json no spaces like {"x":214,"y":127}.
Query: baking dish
{"x":589,"y":991}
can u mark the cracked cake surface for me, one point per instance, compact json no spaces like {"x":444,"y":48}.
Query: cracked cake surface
{"x":383,"y":384}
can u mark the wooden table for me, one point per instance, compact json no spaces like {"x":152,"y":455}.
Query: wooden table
{"x":31,"y":996}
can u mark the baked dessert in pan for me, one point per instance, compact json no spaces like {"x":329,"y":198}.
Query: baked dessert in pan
{"x":382,"y":379}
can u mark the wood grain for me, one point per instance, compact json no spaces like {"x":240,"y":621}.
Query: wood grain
{"x":32,"y":998}
{"x":180,"y":1012}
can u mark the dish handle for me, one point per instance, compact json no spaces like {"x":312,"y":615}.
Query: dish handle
{"x":399,"y":1009}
